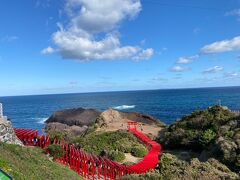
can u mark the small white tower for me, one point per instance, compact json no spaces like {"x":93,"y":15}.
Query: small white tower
{"x":1,"y":111}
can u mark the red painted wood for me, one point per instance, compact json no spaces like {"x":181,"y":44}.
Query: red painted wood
{"x":90,"y":166}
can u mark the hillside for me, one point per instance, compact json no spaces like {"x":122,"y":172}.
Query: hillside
{"x":31,"y":163}
{"x":214,"y":132}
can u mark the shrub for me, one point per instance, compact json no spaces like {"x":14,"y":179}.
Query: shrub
{"x":55,"y":151}
{"x":107,"y":141}
{"x":128,"y":163}
{"x":116,"y":156}
{"x":60,"y":135}
{"x":124,"y":145}
{"x":139,"y":151}
{"x":207,"y":137}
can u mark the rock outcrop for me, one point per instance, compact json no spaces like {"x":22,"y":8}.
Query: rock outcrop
{"x":112,"y":120}
{"x":7,"y":134}
{"x":77,"y":117}
{"x":111,"y":115}
{"x":214,"y":132}
{"x":75,"y":121}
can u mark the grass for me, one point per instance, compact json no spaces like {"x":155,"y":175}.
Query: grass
{"x":31,"y":163}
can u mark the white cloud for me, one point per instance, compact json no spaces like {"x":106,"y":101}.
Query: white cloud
{"x":159,"y":79}
{"x":214,"y":69}
{"x":179,"y":69}
{"x":187,"y":60}
{"x":48,"y":50}
{"x":231,"y":75}
{"x":9,"y":38}
{"x":162,"y":50}
{"x":235,"y":12}
{"x":97,"y":16}
{"x":144,"y":54}
{"x":91,"y":33}
{"x":222,"y":46}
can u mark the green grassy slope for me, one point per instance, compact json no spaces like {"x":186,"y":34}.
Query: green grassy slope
{"x":31,"y":163}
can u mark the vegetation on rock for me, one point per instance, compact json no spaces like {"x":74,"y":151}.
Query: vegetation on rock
{"x":139,"y":151}
{"x":214,"y":132}
{"x":111,"y":144}
{"x":172,"y":168}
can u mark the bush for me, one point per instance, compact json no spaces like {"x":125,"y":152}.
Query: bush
{"x":124,"y":145}
{"x":207,"y":137}
{"x":55,"y":151}
{"x":116,"y":156}
{"x":60,"y":135}
{"x":128,"y":163}
{"x":139,"y":151}
{"x":98,"y":142}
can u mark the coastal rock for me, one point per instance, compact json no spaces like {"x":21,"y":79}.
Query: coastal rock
{"x":111,"y":115}
{"x":7,"y":134}
{"x":79,"y":120}
{"x":77,"y":117}
{"x":75,"y":121}
{"x":112,"y":120}
{"x":75,"y":130}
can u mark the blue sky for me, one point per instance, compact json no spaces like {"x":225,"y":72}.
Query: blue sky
{"x":68,"y":46}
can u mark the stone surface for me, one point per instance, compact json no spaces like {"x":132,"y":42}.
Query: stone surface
{"x":7,"y":134}
{"x":78,"y":117}
{"x":77,"y":121}
{"x":112,"y":120}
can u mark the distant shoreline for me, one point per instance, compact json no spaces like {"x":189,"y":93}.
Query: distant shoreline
{"x":138,"y":90}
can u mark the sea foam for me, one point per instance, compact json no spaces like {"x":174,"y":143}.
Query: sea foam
{"x":122,"y":107}
{"x":41,"y":120}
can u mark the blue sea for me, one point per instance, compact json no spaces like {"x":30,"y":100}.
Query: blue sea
{"x":165,"y":105}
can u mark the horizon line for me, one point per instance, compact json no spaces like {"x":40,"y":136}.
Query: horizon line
{"x":91,"y":92}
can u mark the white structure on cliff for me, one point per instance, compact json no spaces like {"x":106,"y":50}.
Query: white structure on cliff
{"x":7,"y":134}
{"x":1,"y":113}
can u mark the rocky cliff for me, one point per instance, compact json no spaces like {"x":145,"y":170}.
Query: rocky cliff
{"x":7,"y":134}
{"x":79,"y":120}
{"x":76,"y":121}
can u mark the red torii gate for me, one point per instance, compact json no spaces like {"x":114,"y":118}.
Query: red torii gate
{"x":90,"y":166}
{"x":132,"y":125}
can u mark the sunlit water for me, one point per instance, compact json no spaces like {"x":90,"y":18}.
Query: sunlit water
{"x":166,"y":105}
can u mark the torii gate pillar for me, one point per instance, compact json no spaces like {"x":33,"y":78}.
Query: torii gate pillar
{"x":132,"y":125}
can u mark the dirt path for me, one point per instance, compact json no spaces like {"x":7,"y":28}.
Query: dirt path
{"x":130,"y":158}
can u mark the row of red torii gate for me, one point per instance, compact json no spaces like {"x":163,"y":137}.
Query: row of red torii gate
{"x":94,"y":167}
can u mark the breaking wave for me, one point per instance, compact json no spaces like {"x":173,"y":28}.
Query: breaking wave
{"x":41,"y":120}
{"x":122,"y":107}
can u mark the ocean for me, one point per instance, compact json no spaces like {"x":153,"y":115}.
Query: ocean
{"x":165,"y":105}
